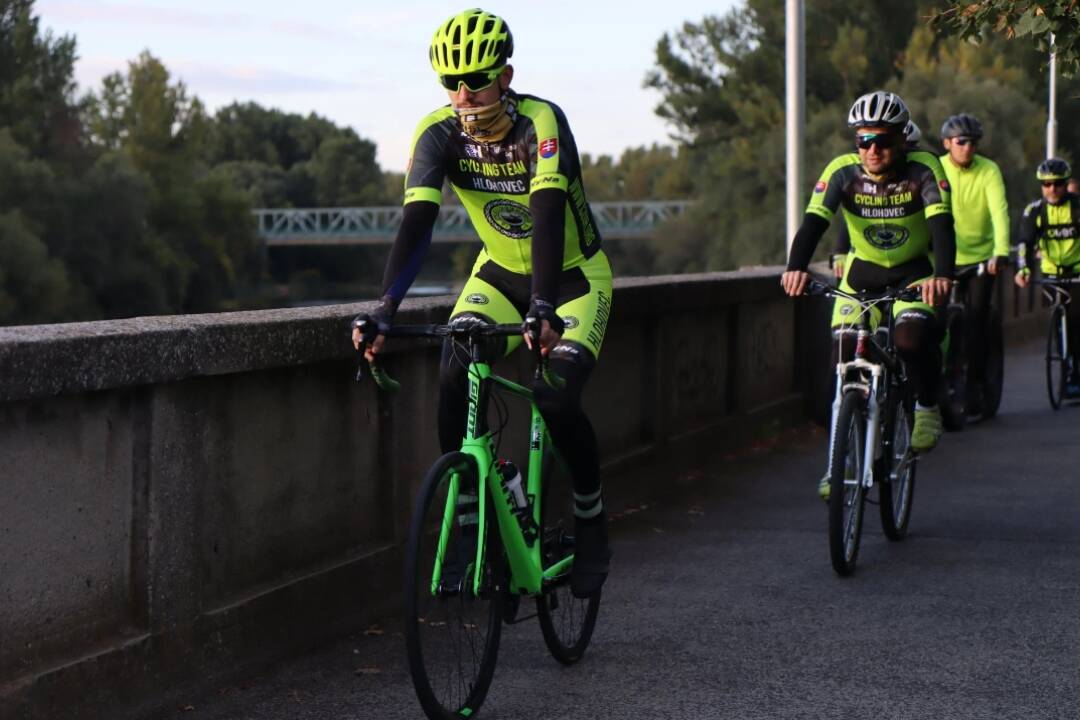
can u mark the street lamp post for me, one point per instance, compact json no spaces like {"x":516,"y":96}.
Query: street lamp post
{"x":1051,"y":120}
{"x":795,"y":86}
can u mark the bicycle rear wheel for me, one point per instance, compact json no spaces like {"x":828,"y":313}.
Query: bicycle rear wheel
{"x":1056,"y":352}
{"x":846,"y":492}
{"x":954,"y":385}
{"x":896,"y":481}
{"x":451,"y":633}
{"x":566,"y":622}
{"x":995,"y":365}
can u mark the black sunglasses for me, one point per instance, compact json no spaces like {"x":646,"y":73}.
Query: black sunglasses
{"x":962,"y":141}
{"x":884,"y":141}
{"x":1055,"y":183}
{"x":474,"y":81}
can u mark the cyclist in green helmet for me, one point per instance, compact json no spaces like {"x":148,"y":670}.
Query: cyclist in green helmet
{"x":513,"y":162}
{"x":894,"y":203}
{"x":981,"y":213}
{"x":1051,"y":225}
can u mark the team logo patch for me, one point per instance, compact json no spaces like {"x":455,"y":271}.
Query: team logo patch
{"x":570,"y":322}
{"x":820,"y":187}
{"x":477,"y":299}
{"x":473,"y":151}
{"x":510,"y":218}
{"x":944,"y":185}
{"x":886,"y":237}
{"x":548,"y":147}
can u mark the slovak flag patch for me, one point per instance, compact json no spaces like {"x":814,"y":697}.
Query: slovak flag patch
{"x":548,"y":147}
{"x":820,"y":187}
{"x":944,"y":185}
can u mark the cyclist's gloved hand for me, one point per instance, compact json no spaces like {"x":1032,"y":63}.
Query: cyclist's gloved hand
{"x":382,"y":317}
{"x":543,"y":310}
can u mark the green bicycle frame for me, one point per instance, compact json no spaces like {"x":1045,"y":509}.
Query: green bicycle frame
{"x":526,"y":572}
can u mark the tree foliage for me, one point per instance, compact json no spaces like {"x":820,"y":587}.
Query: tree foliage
{"x":133,"y":199}
{"x":1028,"y":20}
{"x":721,"y":80}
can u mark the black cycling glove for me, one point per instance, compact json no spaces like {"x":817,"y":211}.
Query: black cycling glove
{"x":543,"y":310}
{"x":382,"y":316}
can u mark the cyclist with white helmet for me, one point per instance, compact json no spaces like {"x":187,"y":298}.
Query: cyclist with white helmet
{"x":896,"y":206}
{"x":912,"y":136}
{"x":981,"y":213}
{"x":513,"y":162}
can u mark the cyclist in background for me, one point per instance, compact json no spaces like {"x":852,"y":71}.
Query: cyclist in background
{"x":1051,"y":225}
{"x":981,"y":213}
{"x":513,"y":162}
{"x":894,"y":203}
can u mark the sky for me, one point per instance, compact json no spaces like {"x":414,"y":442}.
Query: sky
{"x":363,"y":63}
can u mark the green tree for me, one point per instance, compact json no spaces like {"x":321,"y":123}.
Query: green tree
{"x":1029,"y":20}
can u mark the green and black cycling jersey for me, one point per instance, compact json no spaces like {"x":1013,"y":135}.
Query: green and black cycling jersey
{"x":523,"y":194}
{"x":1055,"y":230}
{"x":891,"y":220}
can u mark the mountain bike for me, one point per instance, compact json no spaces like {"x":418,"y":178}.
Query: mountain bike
{"x":480,"y":539}
{"x":957,"y":384}
{"x":870,"y":431}
{"x":1059,"y":361}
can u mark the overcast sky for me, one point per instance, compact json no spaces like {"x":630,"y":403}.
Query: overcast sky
{"x":364,"y":64}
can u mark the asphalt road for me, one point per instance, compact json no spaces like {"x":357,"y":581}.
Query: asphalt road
{"x":722,"y":602}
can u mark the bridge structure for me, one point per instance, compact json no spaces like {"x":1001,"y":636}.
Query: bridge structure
{"x":376,"y":225}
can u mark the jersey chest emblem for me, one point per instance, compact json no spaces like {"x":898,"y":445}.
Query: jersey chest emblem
{"x":510,"y":218}
{"x":886,"y":237}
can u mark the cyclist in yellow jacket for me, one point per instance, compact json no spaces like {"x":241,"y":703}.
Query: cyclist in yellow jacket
{"x":512,"y":161}
{"x":981,"y":213}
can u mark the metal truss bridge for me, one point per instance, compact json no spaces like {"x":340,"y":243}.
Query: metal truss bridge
{"x":375,"y":225}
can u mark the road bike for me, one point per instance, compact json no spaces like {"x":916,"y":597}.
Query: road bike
{"x":870,"y":431}
{"x":1059,"y":361}
{"x":955,"y":398}
{"x":481,"y":539}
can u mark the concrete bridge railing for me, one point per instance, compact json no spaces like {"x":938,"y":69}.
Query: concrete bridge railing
{"x":179,"y":494}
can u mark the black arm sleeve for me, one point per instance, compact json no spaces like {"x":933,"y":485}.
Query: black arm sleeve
{"x":943,"y":237}
{"x":548,"y":208}
{"x":806,"y":241}
{"x":1025,"y":255}
{"x":410,"y":248}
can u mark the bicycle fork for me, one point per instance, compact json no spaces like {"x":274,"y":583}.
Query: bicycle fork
{"x":871,"y":450}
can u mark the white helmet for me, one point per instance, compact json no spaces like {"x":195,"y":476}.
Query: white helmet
{"x":912,"y":134}
{"x":878,"y":108}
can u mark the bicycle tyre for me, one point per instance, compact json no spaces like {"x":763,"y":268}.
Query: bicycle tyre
{"x":896,"y":486}
{"x":1055,"y":359}
{"x":451,"y":638}
{"x":566,"y":622}
{"x":953,"y":391}
{"x":846,"y":492}
{"x":994,"y":380}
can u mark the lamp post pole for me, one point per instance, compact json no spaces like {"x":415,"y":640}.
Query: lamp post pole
{"x":795,"y":111}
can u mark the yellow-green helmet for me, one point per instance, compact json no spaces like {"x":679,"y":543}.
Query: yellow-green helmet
{"x":470,"y":41}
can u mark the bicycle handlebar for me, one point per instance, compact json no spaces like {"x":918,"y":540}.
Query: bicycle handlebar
{"x":470,"y":330}
{"x":904,"y":294}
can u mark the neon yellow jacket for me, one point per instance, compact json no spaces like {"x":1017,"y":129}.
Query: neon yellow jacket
{"x":980,"y":210}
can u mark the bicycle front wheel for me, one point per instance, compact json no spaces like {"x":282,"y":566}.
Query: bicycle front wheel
{"x":566,"y":622}
{"x":954,"y":385}
{"x":1056,"y":352}
{"x":451,"y":631}
{"x":846,"y":491}
{"x":994,"y":380}
{"x":896,"y":488}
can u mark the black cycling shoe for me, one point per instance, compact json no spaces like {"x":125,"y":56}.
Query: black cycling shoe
{"x":591,"y":556}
